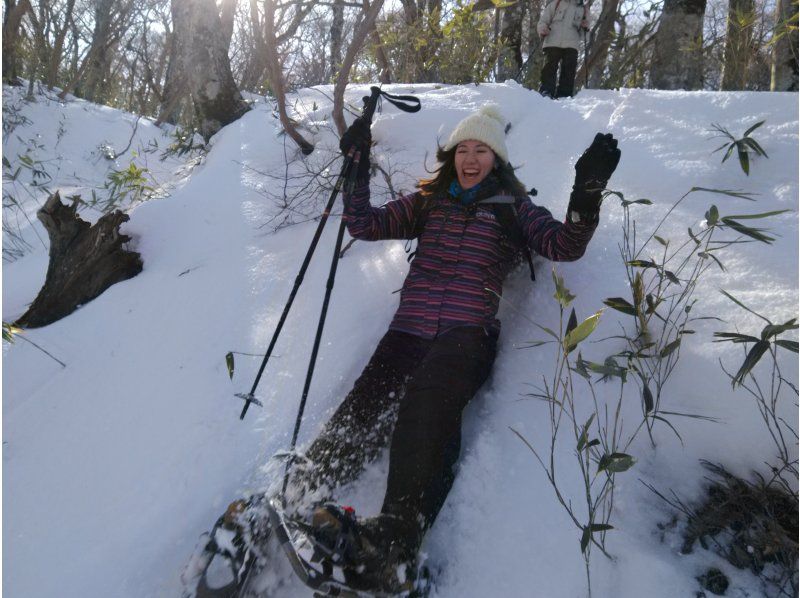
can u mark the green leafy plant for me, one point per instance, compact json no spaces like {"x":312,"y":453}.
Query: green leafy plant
{"x":663,"y":276}
{"x":12,"y":332}
{"x":600,"y":449}
{"x":768,"y":392}
{"x":129,"y":184}
{"x":183,"y":141}
{"x":9,"y":331}
{"x":744,"y":146}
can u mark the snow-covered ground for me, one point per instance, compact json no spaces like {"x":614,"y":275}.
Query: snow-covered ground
{"x":115,"y":464}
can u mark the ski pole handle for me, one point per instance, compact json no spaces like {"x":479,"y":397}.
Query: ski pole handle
{"x":370,"y":103}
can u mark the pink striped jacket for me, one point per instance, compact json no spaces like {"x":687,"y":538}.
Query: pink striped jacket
{"x":461,"y":252}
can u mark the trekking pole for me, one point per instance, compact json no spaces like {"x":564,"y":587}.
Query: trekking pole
{"x":368,"y":112}
{"x":250,"y":397}
{"x":405,"y":103}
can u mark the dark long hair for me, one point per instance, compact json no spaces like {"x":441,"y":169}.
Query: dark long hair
{"x":446,"y":174}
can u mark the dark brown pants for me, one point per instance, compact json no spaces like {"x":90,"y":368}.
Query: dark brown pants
{"x":413,"y":390}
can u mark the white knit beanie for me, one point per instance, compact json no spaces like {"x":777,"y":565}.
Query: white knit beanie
{"x":486,"y":125}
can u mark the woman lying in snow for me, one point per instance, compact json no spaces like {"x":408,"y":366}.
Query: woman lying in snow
{"x":472,"y":220}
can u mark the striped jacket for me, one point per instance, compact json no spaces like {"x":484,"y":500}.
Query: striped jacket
{"x":461,"y":252}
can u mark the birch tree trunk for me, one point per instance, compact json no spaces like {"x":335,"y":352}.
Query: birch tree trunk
{"x":738,"y":44}
{"x":201,"y":52}
{"x":678,"y":46}
{"x":784,"y":52}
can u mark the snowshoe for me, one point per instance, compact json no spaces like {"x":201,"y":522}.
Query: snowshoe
{"x":230,"y":555}
{"x":336,"y":555}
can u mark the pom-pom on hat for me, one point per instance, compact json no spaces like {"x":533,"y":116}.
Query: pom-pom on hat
{"x":486,"y":125}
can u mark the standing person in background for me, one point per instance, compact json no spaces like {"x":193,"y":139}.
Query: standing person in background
{"x":561,"y":26}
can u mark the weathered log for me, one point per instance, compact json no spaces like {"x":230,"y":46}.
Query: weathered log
{"x":84,"y":261}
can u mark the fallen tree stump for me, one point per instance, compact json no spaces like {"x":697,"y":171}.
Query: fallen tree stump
{"x":84,"y":261}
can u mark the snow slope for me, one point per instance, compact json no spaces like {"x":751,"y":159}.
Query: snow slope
{"x":115,"y":464}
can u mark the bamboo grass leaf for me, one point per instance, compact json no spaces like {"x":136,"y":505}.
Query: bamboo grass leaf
{"x":742,"y":305}
{"x":744,"y":157}
{"x":586,"y":537}
{"x":735,"y":337}
{"x":753,"y":128}
{"x":786,"y":344}
{"x":647,"y":398}
{"x":601,"y":527}
{"x":754,"y":233}
{"x":581,"y":331}
{"x":755,"y":216}
{"x":729,"y":192}
{"x":620,"y":304}
{"x":669,"y":348}
{"x":753,"y":357}
{"x":562,"y":294}
{"x":708,"y":254}
{"x":229,"y":363}
{"x":771,"y":330}
{"x":615,"y":463}
{"x":642,"y":264}
{"x":755,"y":146}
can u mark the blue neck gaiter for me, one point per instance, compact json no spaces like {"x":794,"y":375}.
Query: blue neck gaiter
{"x":465,"y":196}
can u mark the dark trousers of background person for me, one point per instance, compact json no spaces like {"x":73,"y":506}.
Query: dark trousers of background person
{"x":568,"y":58}
{"x":413,"y":390}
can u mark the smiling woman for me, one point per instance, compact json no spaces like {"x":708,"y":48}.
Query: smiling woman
{"x":474,"y":160}
{"x":471,"y":220}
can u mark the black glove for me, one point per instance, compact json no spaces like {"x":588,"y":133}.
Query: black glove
{"x":359,"y":137}
{"x":592,"y":171}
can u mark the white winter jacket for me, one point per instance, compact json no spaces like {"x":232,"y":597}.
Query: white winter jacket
{"x":560,"y":23}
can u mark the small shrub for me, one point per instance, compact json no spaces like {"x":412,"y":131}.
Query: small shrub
{"x":129,"y":184}
{"x":744,"y":146}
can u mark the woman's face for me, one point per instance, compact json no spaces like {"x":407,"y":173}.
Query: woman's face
{"x":474,"y":160}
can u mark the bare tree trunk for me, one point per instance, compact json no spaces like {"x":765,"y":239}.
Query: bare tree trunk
{"x":39,"y":46}
{"x":202,"y":54}
{"x":531,"y":71}
{"x":678,"y":50}
{"x":175,"y":86}
{"x":227,"y":13}
{"x":58,"y":46}
{"x":380,"y":56}
{"x":359,"y":37}
{"x":84,"y":261}
{"x":337,"y":26}
{"x":603,"y":35}
{"x":13,"y":19}
{"x":276,"y":79}
{"x":94,"y":86}
{"x":428,"y":64}
{"x":784,"y":51}
{"x":253,"y":76}
{"x":509,"y":60}
{"x":738,"y":44}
